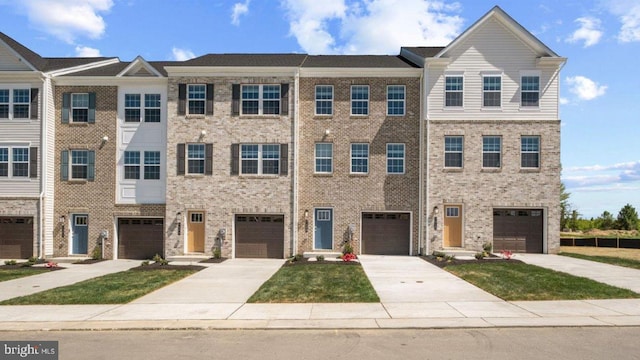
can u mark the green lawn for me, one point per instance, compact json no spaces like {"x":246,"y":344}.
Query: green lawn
{"x":513,"y":281}
{"x":317,"y":283}
{"x":18,"y":273}
{"x":630,"y":263}
{"x":117,"y":288}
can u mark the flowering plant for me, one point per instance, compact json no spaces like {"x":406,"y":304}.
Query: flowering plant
{"x":349,"y":257}
{"x":51,"y":264}
{"x":506,"y":254}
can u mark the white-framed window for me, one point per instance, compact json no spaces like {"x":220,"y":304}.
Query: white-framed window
{"x":453,"y":91}
{"x":15,"y":103}
{"x":260,"y":99}
{"x":21,"y":101}
{"x":395,"y":158}
{"x":453,"y":151}
{"x":492,"y":91}
{"x":152,"y":165}
{"x":80,"y":107}
{"x":195,"y":158}
{"x":14,"y":162}
{"x":132,"y":107}
{"x":529,"y":90}
{"x":324,"y":158}
{"x":360,"y":100}
{"x":323,"y":215}
{"x":79,"y":164}
{"x":452,"y":211}
{"x":530,"y":152}
{"x":5,"y":103}
{"x":152,"y":104}
{"x":491,"y":151}
{"x":359,"y":158}
{"x":324,"y":99}
{"x":131,"y":165}
{"x":196,"y":99}
{"x":396,"y":97}
{"x":135,"y":110}
{"x":260,"y":159}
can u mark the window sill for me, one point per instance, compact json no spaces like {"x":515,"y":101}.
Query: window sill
{"x":191,"y":117}
{"x":258,"y":116}
{"x":453,"y":108}
{"x":359,"y":116}
{"x":78,"y":124}
{"x":194,"y":176}
{"x":396,"y":116}
{"x":491,"y":109}
{"x":77,"y":181}
{"x":259,"y":176}
{"x":358,"y":175}
{"x":9,"y":120}
{"x":396,"y":174}
{"x":530,"y":170}
{"x":530,"y":108}
{"x":453,"y":170}
{"x":16,"y":179}
{"x":322,"y":117}
{"x":491,"y":170}
{"x":322,"y":174}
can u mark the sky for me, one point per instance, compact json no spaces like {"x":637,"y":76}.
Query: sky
{"x":600,"y":87}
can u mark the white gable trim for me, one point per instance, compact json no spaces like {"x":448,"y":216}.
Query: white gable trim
{"x":15,"y":53}
{"x":136,"y":64}
{"x":83,"y":67}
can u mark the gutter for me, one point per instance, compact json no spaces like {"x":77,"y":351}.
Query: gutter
{"x":296,"y":144}
{"x":421,"y":191}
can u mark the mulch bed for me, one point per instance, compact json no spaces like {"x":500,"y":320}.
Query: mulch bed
{"x":213,"y":260}
{"x":89,"y":261}
{"x":159,"y":267}
{"x":19,"y":266}
{"x":443,"y":263}
{"x":305,"y":261}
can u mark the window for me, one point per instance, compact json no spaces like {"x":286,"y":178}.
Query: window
{"x":196,"y":98}
{"x":360,"y":100}
{"x":152,"y":165}
{"x":14,"y":162}
{"x":395,"y":158}
{"x":453,"y":91}
{"x":79,"y":164}
{"x":530,"y":152}
{"x":491,"y":91}
{"x":453,"y":148}
{"x":260,"y":99}
{"x":21,"y":100}
{"x":491,"y":151}
{"x":324,"y":158}
{"x":4,"y":103}
{"x":133,"y":110}
{"x":152,"y":108}
{"x":132,"y":107}
{"x":16,"y":103}
{"x":260,"y":159}
{"x":395,"y":100}
{"x":4,"y":162}
{"x":452,"y":211}
{"x":131,"y":165}
{"x":359,"y":158}
{"x":324,"y":100}
{"x":530,"y":91}
{"x":80,"y":108}
{"x":195,"y":159}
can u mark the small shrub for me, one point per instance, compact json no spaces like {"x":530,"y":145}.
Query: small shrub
{"x":217,"y":253}
{"x":33,"y":260}
{"x":145,"y":263}
{"x":449,"y":258}
{"x":159,"y":260}
{"x":320,"y":257}
{"x":487,"y":247}
{"x":96,"y":254}
{"x":10,"y":262}
{"x":438,"y":254}
{"x":480,"y":255}
{"x":347,"y":249}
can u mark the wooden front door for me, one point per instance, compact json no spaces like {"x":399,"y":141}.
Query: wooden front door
{"x":453,"y":226}
{"x":195,"y":237}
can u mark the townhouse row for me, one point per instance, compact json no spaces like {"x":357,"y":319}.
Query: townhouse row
{"x":269,"y":155}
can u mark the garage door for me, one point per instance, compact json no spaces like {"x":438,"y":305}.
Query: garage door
{"x":140,"y":238}
{"x":260,"y":236}
{"x":386,"y":233}
{"x":16,"y":237}
{"x":518,"y":230}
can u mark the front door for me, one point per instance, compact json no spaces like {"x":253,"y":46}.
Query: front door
{"x":323,"y":236}
{"x":453,"y":226}
{"x":80,"y":230}
{"x":195,"y":226}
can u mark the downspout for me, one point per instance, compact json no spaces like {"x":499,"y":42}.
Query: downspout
{"x":296,"y":144}
{"x":43,"y":166}
{"x":426,"y":118}
{"x":421,"y":227}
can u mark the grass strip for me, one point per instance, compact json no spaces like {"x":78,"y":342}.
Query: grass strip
{"x":18,"y":273}
{"x":634,"y":264}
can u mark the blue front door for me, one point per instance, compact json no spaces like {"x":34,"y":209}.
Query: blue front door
{"x":323,"y":238}
{"x":79,"y":228}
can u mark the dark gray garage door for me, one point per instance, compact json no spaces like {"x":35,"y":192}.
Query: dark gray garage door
{"x":16,"y":237}
{"x":260,"y":236}
{"x":140,"y":238}
{"x":386,"y":233}
{"x":518,"y":230}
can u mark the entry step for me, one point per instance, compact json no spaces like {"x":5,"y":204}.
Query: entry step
{"x":327,"y":255}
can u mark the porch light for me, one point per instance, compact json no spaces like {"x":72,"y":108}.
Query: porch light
{"x":62,"y":220}
{"x":179,"y":217}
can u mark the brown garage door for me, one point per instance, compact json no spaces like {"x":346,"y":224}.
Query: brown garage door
{"x":260,"y":236}
{"x":386,"y":233}
{"x":518,"y":230}
{"x":140,"y":238}
{"x":16,"y":237}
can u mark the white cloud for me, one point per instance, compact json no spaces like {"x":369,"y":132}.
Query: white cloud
{"x":589,"y":31}
{"x":585,"y":88}
{"x":85,"y":51}
{"x":182,"y":54}
{"x":564,"y":101}
{"x":602,"y":176}
{"x":628,"y":12}
{"x":238,"y":10}
{"x":67,"y":19}
{"x":371,"y":26}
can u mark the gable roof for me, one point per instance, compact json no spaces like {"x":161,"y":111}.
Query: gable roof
{"x":137,"y":65}
{"x":356,"y":61}
{"x":33,"y":60}
{"x":424,"y":51}
{"x":275,"y":60}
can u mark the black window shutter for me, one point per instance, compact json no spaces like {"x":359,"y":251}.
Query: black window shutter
{"x":235,"y":159}
{"x":34,"y":104}
{"x":182,"y":99}
{"x":208,"y":159}
{"x":91,"y":165}
{"x":33,"y":162}
{"x":284,"y":99}
{"x":92,"y":108}
{"x":284,"y":159}
{"x":66,"y":104}
{"x":64,"y":165}
{"x":209,"y":99}
{"x":180,"y":160}
{"x":235,"y":99}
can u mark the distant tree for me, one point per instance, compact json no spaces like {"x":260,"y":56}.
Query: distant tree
{"x":605,"y":221}
{"x":628,"y":218}
{"x":573,"y":222}
{"x":565,"y":207}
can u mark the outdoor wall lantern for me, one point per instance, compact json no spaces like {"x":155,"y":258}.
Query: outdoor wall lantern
{"x":223,"y":233}
{"x":435,"y":218}
{"x":62,"y":220}
{"x":179,"y":216}
{"x":306,"y":220}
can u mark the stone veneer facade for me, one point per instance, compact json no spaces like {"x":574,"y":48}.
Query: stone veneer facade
{"x":351,"y":194}
{"x":221,"y":195}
